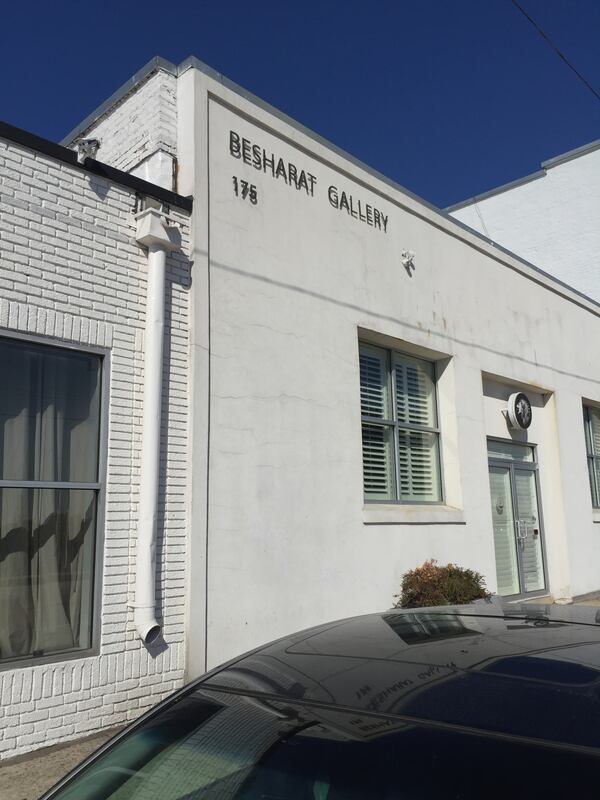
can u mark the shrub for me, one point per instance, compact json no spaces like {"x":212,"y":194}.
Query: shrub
{"x":432,"y":585}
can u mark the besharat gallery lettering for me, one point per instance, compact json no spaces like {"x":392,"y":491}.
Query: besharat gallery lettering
{"x":364,"y":212}
{"x":259,"y":158}
{"x":268,"y":162}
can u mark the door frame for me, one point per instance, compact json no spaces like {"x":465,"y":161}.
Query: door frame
{"x":526,"y":466}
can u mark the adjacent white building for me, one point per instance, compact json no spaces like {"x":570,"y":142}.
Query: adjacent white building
{"x":343,"y":378}
{"x":550,"y":218}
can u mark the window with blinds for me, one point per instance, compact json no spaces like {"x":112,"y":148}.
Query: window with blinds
{"x":591,"y":418}
{"x":400,"y":434}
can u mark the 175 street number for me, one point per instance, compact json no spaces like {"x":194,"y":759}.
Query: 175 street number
{"x":245,"y":190}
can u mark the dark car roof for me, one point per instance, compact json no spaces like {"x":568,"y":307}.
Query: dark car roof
{"x":518,"y":670}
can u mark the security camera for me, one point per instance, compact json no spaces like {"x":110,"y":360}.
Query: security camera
{"x":87,"y":148}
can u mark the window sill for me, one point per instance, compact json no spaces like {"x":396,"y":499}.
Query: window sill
{"x":48,"y":659}
{"x":396,"y":514}
{"x":596,"y":515}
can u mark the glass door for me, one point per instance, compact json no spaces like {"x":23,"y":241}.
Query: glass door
{"x":505,"y":540}
{"x":517,"y":530}
{"x":529,"y":531}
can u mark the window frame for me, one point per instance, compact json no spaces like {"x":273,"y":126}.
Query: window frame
{"x":395,"y":426}
{"x":98,"y":486}
{"x":591,"y":457}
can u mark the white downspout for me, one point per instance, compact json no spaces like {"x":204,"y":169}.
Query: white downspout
{"x":153,"y":234}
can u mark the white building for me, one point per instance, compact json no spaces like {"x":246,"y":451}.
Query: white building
{"x":309,"y":283}
{"x":550,"y":218}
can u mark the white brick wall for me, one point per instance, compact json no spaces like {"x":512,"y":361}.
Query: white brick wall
{"x":71,"y":271}
{"x":140,"y":124}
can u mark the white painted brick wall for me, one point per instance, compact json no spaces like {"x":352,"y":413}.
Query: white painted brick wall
{"x":553,"y":221}
{"x":70,"y":270}
{"x":140,"y":124}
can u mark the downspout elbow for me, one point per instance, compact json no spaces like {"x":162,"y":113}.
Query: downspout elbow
{"x":146,"y":625}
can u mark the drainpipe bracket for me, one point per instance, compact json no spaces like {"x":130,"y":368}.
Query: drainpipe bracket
{"x":152,"y":231}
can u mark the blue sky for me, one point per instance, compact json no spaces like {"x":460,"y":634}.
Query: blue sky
{"x":447,"y":97}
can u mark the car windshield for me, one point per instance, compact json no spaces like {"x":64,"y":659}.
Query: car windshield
{"x":219,"y":746}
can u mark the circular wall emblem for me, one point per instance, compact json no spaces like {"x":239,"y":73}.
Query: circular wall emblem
{"x":519,"y":411}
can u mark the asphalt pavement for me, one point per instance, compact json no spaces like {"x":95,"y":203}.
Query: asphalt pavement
{"x":28,"y":776}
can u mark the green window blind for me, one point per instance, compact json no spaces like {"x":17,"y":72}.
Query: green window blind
{"x":399,"y":427}
{"x":591,"y":418}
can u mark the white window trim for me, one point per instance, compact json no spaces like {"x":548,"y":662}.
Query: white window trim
{"x":406,"y":514}
{"x":450,"y":511}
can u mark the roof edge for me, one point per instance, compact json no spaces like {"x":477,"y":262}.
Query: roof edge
{"x":571,"y":154}
{"x":534,"y":176}
{"x":154,"y":65}
{"x":194,"y":63}
{"x":60,"y":153}
{"x":545,"y":166}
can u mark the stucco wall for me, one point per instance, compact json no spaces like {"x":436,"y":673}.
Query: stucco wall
{"x":71,"y":272}
{"x":552,"y":221}
{"x":293,"y":283}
